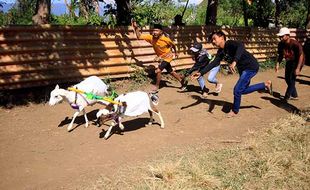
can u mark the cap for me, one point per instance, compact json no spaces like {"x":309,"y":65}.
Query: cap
{"x":158,"y":26}
{"x":284,"y":31}
{"x":196,"y":47}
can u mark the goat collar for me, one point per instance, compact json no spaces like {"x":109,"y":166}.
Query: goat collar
{"x":77,"y":92}
{"x":74,"y":106}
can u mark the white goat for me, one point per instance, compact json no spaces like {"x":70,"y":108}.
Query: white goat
{"x":79,"y":101}
{"x":131,"y":104}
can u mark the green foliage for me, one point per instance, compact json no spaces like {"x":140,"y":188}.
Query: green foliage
{"x":230,"y":13}
{"x":268,"y":64}
{"x":139,"y":76}
{"x":3,"y":19}
{"x":261,"y":11}
{"x":93,"y":19}
{"x":294,"y":13}
{"x":20,"y":14}
{"x":198,"y":14}
{"x":68,"y":20}
{"x":147,"y":12}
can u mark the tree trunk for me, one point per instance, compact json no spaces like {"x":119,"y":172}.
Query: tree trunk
{"x":123,"y":12}
{"x":308,"y":17}
{"x":245,"y":12}
{"x":71,"y":7}
{"x":42,"y":13}
{"x":211,"y":12}
{"x":277,"y":13}
{"x":83,"y":8}
{"x":96,"y":6}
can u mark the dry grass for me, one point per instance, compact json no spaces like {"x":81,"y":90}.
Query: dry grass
{"x":277,"y":157}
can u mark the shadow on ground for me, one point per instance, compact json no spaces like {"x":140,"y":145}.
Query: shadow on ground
{"x":131,"y":125}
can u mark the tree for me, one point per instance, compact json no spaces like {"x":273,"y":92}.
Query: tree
{"x":71,"y":7}
{"x":261,"y":12}
{"x":277,"y":13}
{"x":123,"y":12}
{"x":245,"y":12}
{"x":211,"y":12}
{"x":42,"y":12}
{"x":293,"y":13}
{"x":308,"y":17}
{"x":230,"y":13}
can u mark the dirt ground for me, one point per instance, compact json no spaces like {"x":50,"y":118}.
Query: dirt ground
{"x":37,"y":152}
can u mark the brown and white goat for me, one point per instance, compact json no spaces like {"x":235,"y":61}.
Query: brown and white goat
{"x":130,"y":104}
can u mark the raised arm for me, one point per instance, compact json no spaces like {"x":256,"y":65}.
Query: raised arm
{"x":136,"y":29}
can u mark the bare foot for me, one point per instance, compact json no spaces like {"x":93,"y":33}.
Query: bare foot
{"x":268,"y":85}
{"x":231,"y":114}
{"x":218,"y":87}
{"x":205,"y":95}
{"x":154,"y":88}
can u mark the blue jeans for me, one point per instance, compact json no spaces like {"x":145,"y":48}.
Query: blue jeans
{"x":242,"y":87}
{"x":211,"y":77}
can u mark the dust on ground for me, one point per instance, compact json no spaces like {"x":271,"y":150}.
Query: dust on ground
{"x":37,"y":152}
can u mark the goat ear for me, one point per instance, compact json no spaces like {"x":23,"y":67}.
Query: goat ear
{"x":57,"y":86}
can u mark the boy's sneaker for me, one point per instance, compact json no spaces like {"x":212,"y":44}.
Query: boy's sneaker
{"x":184,"y":84}
{"x":294,"y":98}
{"x":218,"y":88}
{"x":205,"y":92}
{"x":285,"y":98}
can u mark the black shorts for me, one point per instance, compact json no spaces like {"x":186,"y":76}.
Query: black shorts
{"x":165,"y":65}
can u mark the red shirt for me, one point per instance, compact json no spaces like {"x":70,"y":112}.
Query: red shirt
{"x":290,"y":51}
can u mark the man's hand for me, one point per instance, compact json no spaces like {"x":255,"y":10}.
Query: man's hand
{"x":297,"y":71}
{"x":176,"y":55}
{"x":134,"y":24}
{"x":232,"y":67}
{"x":277,"y":67}
{"x":195,"y":75}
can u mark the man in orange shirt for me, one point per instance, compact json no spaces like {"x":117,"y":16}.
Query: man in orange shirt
{"x":162,"y":46}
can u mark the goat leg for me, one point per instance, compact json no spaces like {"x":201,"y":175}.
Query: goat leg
{"x":120,"y":125}
{"x":108,"y":133}
{"x":86,"y":119}
{"x":70,"y":126}
{"x":157,"y":112}
{"x":151,"y":121}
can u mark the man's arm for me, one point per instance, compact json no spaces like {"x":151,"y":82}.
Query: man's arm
{"x":136,"y":29}
{"x":200,"y":63}
{"x":211,"y":65}
{"x":239,"y":49}
{"x":300,"y":63}
{"x":280,"y":56}
{"x":174,"y":50}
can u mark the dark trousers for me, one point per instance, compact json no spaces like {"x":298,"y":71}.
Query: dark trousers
{"x":290,"y":79}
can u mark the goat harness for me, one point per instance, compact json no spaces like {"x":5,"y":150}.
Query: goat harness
{"x":92,"y":96}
